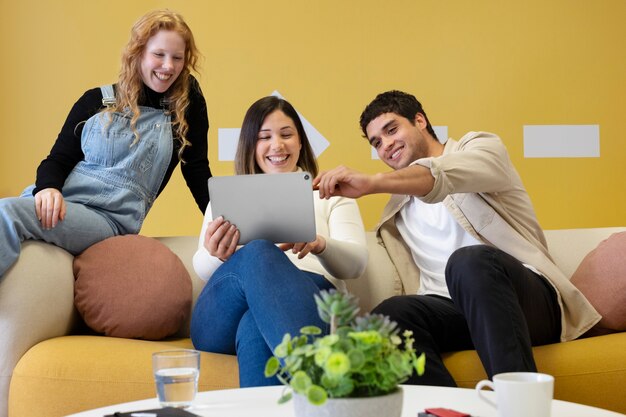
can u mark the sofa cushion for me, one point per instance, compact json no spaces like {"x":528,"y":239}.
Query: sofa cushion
{"x":601,"y":277}
{"x":76,"y":373}
{"x":132,"y":286}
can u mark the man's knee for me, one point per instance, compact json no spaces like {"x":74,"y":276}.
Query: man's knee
{"x":470,"y":257}
{"x":466,"y":267}
{"x":468,"y":261}
{"x":478,"y":272}
{"x":393,"y":307}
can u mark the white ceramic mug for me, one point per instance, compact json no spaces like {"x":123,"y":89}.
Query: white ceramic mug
{"x":519,"y":394}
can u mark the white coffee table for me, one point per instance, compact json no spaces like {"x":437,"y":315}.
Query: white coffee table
{"x":261,"y":402}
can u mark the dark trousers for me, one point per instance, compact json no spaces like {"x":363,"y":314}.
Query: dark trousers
{"x":498,"y":307}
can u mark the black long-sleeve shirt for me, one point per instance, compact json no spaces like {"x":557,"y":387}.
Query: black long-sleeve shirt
{"x":67,"y":152}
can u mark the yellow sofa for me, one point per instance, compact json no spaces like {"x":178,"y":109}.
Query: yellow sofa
{"x":54,"y":368}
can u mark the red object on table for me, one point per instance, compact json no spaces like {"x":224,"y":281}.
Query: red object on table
{"x":446,"y":412}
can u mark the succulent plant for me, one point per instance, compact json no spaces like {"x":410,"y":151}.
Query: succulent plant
{"x":377,"y":322}
{"x":336,"y":308}
{"x":361,"y":357}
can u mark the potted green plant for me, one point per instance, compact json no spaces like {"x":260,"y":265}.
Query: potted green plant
{"x":362,"y":357}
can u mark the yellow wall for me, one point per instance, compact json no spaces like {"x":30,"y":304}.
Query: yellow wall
{"x":485,"y":65}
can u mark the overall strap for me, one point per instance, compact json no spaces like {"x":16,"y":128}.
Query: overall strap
{"x":108,"y":95}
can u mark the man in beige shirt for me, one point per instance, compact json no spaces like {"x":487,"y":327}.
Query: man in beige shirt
{"x":462,"y":232}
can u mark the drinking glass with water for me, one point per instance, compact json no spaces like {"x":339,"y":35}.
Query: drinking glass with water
{"x":176,"y":375}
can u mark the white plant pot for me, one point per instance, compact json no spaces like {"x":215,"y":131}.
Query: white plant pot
{"x":389,"y":405}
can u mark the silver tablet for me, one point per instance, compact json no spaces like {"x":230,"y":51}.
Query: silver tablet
{"x":275,"y":207}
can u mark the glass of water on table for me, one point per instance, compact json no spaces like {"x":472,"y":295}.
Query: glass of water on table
{"x":176,"y":376}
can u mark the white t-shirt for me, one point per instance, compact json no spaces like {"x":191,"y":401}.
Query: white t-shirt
{"x":433,"y":235}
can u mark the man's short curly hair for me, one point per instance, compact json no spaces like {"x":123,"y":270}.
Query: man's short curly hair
{"x":398,"y":102}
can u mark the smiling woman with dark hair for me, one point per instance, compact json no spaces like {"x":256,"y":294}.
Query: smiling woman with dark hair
{"x":259,"y":292}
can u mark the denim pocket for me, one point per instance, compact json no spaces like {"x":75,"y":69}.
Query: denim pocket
{"x":107,"y":140}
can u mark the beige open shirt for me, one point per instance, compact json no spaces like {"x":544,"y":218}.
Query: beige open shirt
{"x":478,"y":184}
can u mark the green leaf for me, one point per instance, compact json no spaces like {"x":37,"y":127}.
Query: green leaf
{"x":357,"y":359}
{"x":307,"y":350}
{"x":300,"y":382}
{"x":311,"y":330}
{"x":328,"y":340}
{"x":285,"y":397}
{"x":344,"y":387}
{"x":293,"y":363}
{"x":420,"y":365}
{"x":284,"y":347}
{"x":316,"y":395}
{"x":271,"y":367}
{"x":368,"y":337}
{"x":344,"y":344}
{"x":382,"y":367}
{"x":322,"y":354}
{"x":328,"y":382}
{"x":337,"y":364}
{"x":281,"y":350}
{"x":397,"y":363}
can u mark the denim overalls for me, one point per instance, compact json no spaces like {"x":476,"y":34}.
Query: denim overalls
{"x":108,"y":193}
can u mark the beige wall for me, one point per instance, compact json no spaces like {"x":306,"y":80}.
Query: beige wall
{"x":485,"y":65}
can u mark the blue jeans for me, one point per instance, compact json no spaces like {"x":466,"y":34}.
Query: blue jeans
{"x":82,"y":227}
{"x":250,"y":302}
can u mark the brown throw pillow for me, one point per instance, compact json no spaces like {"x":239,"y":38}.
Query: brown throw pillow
{"x":601,"y":277}
{"x":132,"y":286}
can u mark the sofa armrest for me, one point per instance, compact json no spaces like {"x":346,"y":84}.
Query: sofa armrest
{"x":36,"y":303}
